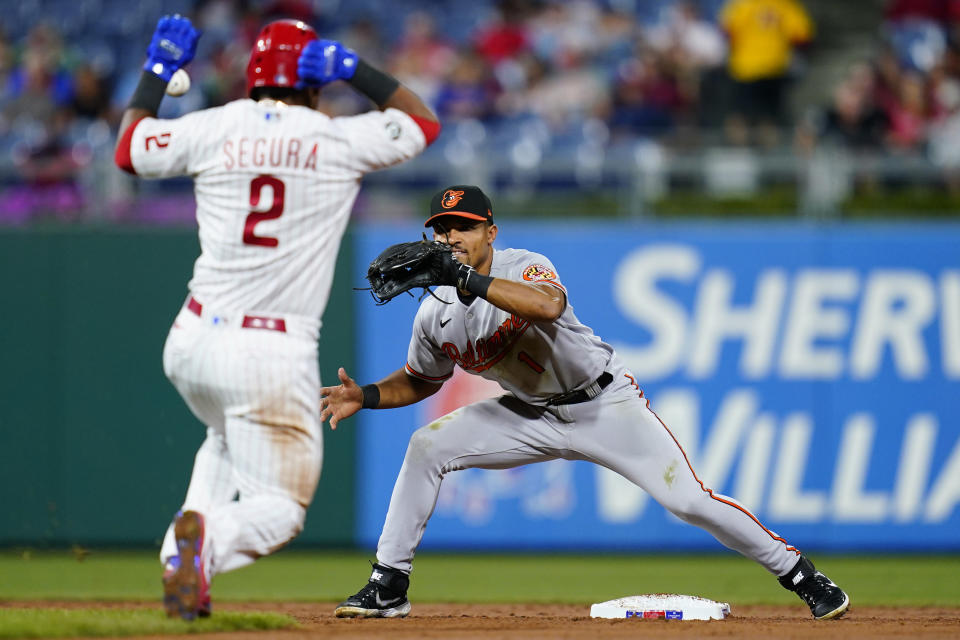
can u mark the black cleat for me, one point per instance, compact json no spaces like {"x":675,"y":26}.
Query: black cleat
{"x":825,"y":599}
{"x":384,"y":596}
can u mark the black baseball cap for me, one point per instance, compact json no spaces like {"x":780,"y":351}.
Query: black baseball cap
{"x":463,"y":200}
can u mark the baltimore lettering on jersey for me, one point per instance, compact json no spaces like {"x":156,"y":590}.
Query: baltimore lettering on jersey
{"x":274,"y":152}
{"x":488,"y":351}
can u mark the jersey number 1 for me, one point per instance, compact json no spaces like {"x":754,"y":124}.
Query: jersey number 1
{"x":525,"y":358}
{"x":275,"y":210}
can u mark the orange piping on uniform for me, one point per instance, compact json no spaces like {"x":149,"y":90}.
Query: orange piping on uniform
{"x":710,"y":491}
{"x":417,"y":374}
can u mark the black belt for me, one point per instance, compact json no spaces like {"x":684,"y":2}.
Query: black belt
{"x":589,"y":392}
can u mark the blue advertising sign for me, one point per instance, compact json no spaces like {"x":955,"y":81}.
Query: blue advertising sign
{"x":811,"y":373}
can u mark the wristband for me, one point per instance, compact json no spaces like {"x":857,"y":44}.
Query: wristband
{"x":149,"y":92}
{"x":477,"y":284}
{"x":373,"y":83}
{"x":371,"y":396}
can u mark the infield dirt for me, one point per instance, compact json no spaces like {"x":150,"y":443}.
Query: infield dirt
{"x":525,"y":622}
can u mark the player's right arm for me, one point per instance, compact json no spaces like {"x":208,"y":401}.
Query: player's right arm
{"x":173,"y":45}
{"x":396,"y":390}
{"x":426,"y":369}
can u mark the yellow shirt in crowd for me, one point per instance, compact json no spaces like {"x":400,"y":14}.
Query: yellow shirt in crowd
{"x":762,"y":35}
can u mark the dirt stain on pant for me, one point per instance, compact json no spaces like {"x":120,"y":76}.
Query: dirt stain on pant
{"x":670,"y":475}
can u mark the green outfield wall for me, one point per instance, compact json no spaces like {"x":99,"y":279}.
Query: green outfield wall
{"x":95,"y":444}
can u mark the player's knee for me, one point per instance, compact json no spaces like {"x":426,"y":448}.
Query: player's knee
{"x":290,"y":516}
{"x":689,"y":508}
{"x":296,"y":514}
{"x":425,"y":447}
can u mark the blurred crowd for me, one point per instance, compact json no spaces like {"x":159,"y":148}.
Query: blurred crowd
{"x":685,"y":73}
{"x":906,"y":98}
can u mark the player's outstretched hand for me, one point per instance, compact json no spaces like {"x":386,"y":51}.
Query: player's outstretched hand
{"x":323,"y":61}
{"x":341,"y":401}
{"x":173,"y":45}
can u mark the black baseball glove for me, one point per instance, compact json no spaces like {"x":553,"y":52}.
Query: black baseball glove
{"x":412,"y":265}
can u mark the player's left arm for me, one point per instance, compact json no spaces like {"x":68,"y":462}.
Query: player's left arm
{"x":537,"y":295}
{"x":404,"y":99}
{"x":537,"y":302}
{"x":324,"y":61}
{"x":173,"y":45}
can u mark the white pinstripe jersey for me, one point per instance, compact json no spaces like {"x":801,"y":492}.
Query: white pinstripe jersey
{"x":274,"y":187}
{"x":532,"y":360}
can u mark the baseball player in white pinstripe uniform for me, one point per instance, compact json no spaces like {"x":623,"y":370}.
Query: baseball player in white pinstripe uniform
{"x":275,"y":181}
{"x":567,"y":396}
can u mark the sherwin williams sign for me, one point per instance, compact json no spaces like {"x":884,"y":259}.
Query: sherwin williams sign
{"x":812,"y":374}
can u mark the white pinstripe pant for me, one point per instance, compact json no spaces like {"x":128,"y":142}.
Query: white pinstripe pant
{"x":257,"y":391}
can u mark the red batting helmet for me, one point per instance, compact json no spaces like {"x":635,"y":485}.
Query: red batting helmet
{"x":273,"y":61}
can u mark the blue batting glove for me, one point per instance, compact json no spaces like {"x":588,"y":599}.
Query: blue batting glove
{"x":323,"y":61}
{"x":173,"y":45}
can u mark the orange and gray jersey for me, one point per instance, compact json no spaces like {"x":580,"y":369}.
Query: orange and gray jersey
{"x":274,"y":187}
{"x":535,"y":361}
{"x":569,"y":397}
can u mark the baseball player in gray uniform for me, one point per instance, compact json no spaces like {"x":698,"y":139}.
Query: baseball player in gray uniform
{"x":275,"y":182}
{"x":568,"y":396}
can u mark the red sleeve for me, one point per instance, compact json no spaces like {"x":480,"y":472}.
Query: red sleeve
{"x":121,"y":156}
{"x":430,"y":128}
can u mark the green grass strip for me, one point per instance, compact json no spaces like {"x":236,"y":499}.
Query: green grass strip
{"x":325,"y":577}
{"x":69,"y":623}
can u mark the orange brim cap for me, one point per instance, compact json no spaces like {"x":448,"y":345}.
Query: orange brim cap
{"x":462,"y":214}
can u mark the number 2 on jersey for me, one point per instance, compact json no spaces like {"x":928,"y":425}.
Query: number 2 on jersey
{"x":255,"y":217}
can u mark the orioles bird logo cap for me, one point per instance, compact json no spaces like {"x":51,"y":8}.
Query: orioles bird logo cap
{"x":463,"y":200}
